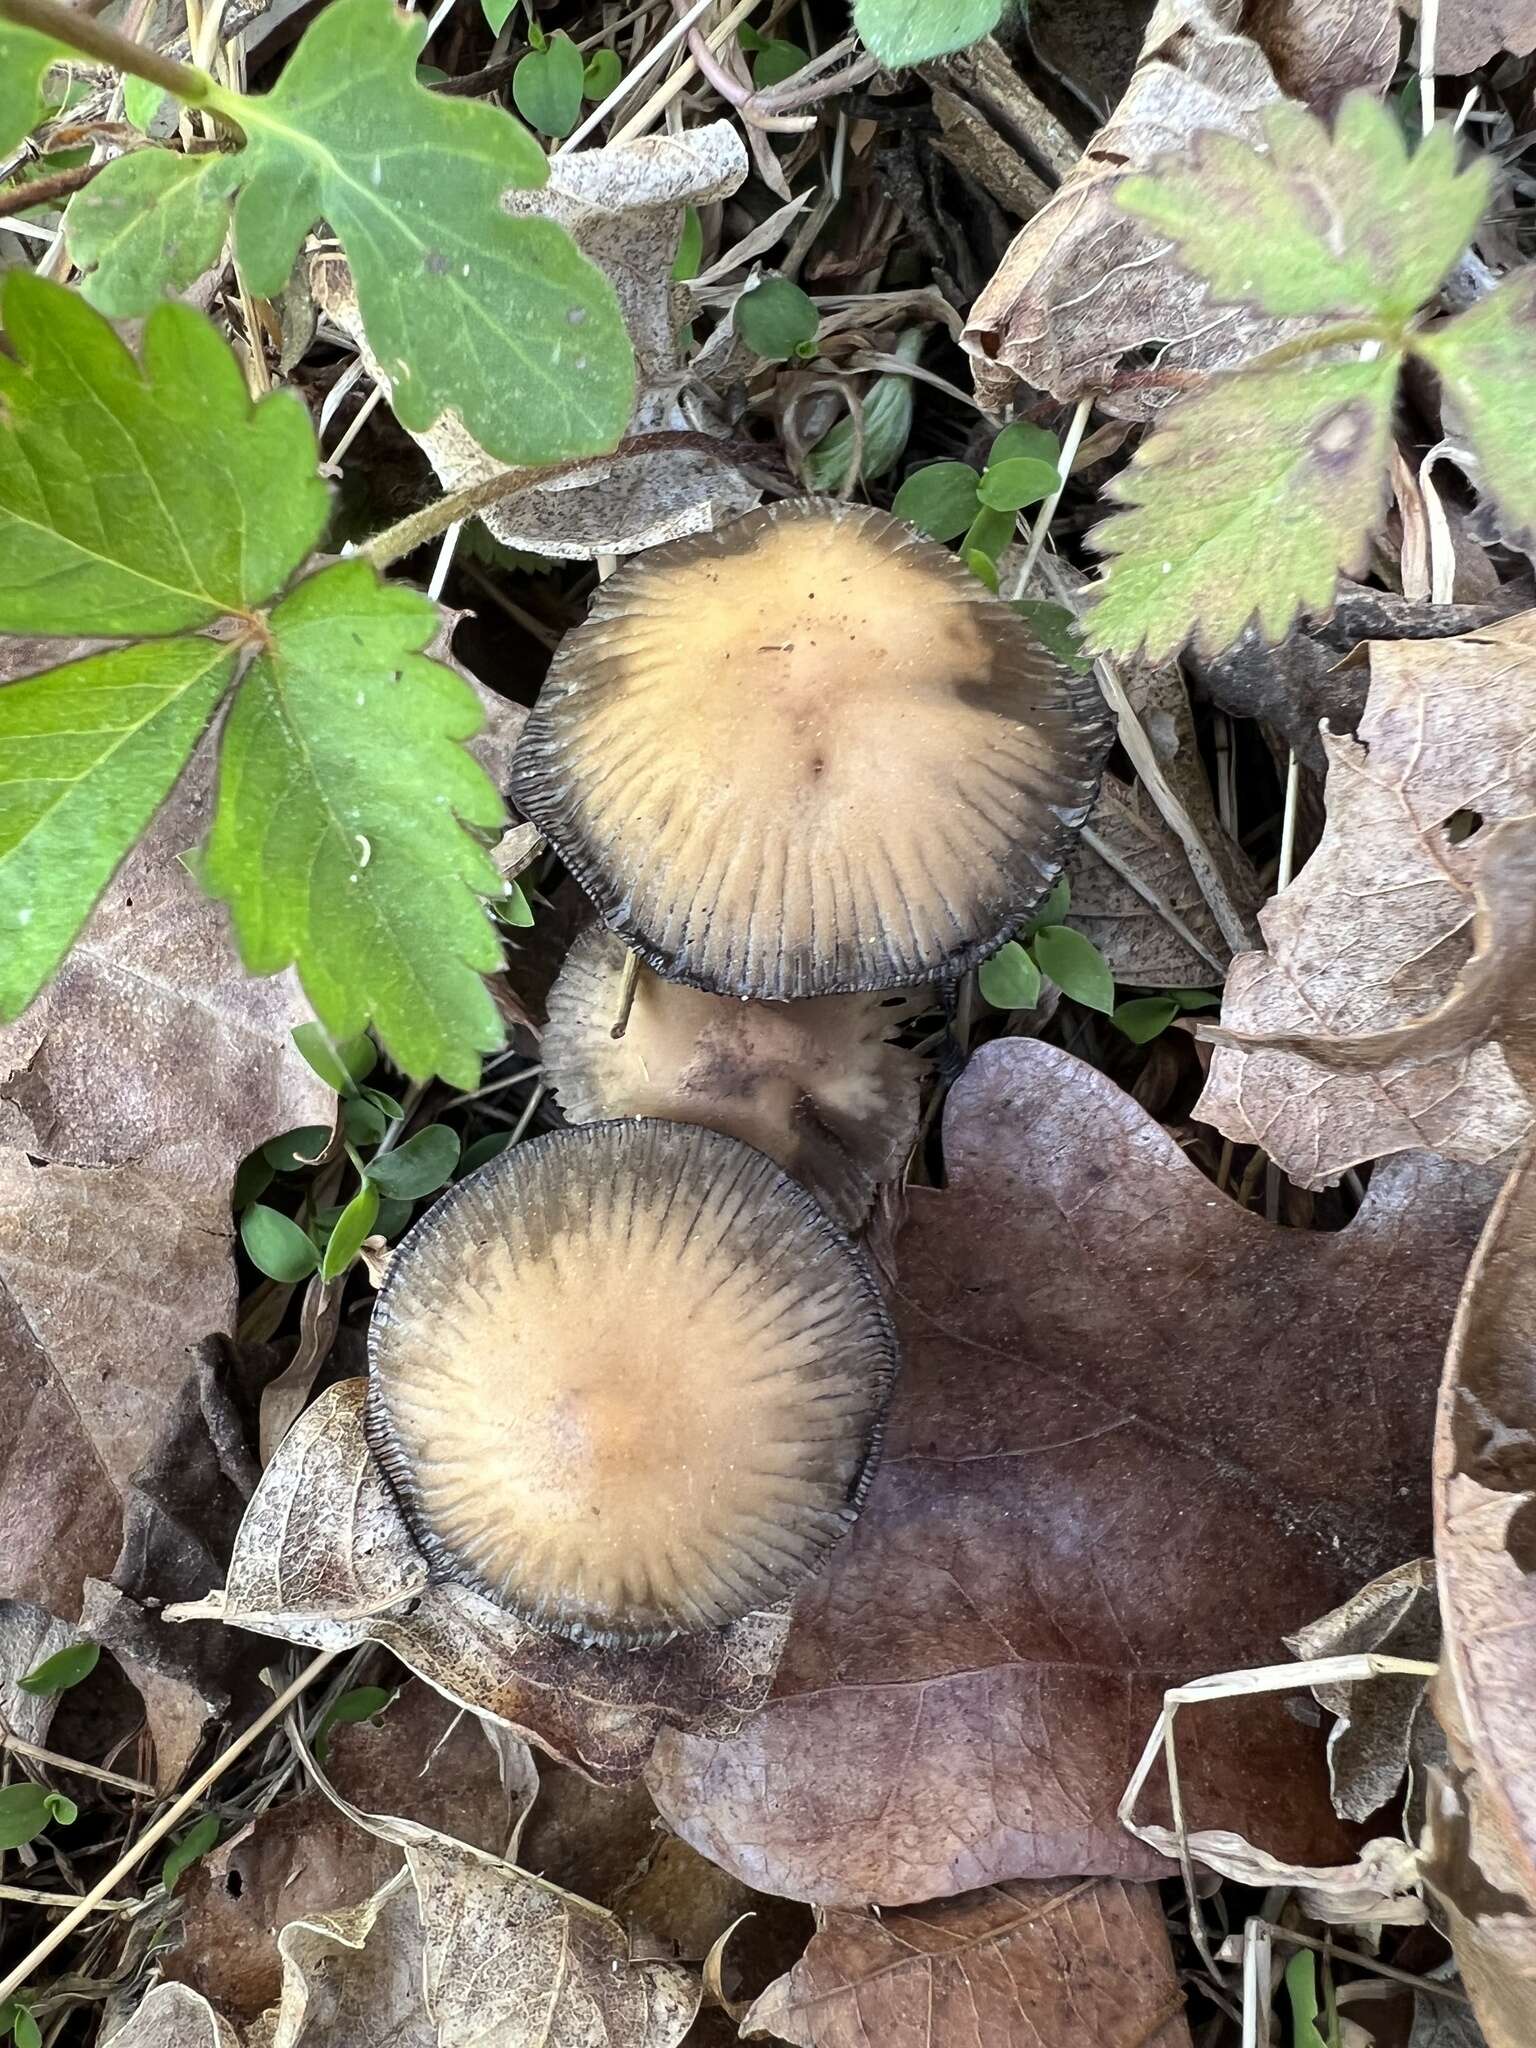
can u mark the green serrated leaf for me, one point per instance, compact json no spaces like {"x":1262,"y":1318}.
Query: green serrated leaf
{"x":1076,"y":966}
{"x":776,"y":319}
{"x":1024,"y":439}
{"x":88,"y":752}
{"x":195,"y":1843}
{"x":24,"y":57}
{"x":465,"y":305}
{"x":276,"y":1246}
{"x":1144,"y":1017}
{"x":1022,"y":480}
{"x":420,"y":1166}
{"x":23,"y":1813}
{"x":339,"y":839}
{"x":1316,"y":223}
{"x":940,"y":499}
{"x":547,"y":86}
{"x":1010,"y":980}
{"x":64,"y":1669}
{"x":602,"y":75}
{"x":911,"y":31}
{"x":213,"y":500}
{"x":354,"y":1223}
{"x":1249,"y":498}
{"x":1484,"y":359}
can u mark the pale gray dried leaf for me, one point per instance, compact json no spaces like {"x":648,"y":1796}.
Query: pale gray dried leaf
{"x":1472,"y":32}
{"x":1140,"y":944}
{"x":1371,"y":1743}
{"x":623,"y":206}
{"x":1437,"y":2023}
{"x":324,"y":1558}
{"x":1374,"y":931}
{"x":171,"y":2016}
{"x":179,"y":1701}
{"x":28,"y":1635}
{"x":352,"y":1979}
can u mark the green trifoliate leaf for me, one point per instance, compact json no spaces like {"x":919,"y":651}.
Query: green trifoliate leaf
{"x":1010,"y":980}
{"x":940,"y":499}
{"x":64,"y":1669}
{"x":500,"y":318}
{"x":1248,"y":500}
{"x":88,"y":753}
{"x":24,"y":58}
{"x":911,"y":31}
{"x":351,"y":1227}
{"x":1076,"y":966}
{"x":153,"y":493}
{"x":547,"y":86}
{"x":1313,"y":223}
{"x":276,"y":1246}
{"x":777,"y":319}
{"x":1485,"y":358}
{"x":1144,"y":1017}
{"x":419,"y":1167}
{"x":1021,"y":480}
{"x":195,"y":1843}
{"x":338,"y":842}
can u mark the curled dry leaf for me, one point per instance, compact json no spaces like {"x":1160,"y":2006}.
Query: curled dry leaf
{"x":1369,"y":939}
{"x":1118,"y":1387}
{"x":1084,"y":286}
{"x":129,"y":1092}
{"x":28,"y":1637}
{"x":1079,"y":1962}
{"x":623,"y":206}
{"x":324,"y":1557}
{"x":171,"y":2016}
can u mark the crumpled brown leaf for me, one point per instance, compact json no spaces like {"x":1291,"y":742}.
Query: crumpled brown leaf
{"x":1132,"y":838}
{"x":1371,"y":936}
{"x":1035,"y":1965}
{"x":1119,"y":1393}
{"x":623,"y":205}
{"x":1084,"y":286}
{"x":324,"y":1557}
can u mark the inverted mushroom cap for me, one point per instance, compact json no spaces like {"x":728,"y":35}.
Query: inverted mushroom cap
{"x":817,"y":1085}
{"x":809,"y":754}
{"x":628,"y":1381}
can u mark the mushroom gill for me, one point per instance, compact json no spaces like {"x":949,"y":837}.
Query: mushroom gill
{"x":628,"y":1381}
{"x":809,"y":754}
{"x":817,"y":1085}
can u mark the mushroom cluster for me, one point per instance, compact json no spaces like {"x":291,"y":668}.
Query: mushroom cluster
{"x":628,"y":1379}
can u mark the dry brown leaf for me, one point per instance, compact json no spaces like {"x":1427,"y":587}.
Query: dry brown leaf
{"x":1084,"y":287}
{"x":171,"y":2016}
{"x":129,"y":1092}
{"x":1034,"y":1965}
{"x":1127,"y":1450}
{"x":353,"y":1979}
{"x":1472,"y":32}
{"x":1372,"y":934}
{"x":1132,"y":839}
{"x":624,"y":208}
{"x":324,"y":1558}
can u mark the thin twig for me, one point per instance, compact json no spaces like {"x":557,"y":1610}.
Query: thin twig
{"x":1047,"y":512}
{"x":69,"y":26}
{"x":1288,"y":827}
{"x":43,"y":191}
{"x":54,"y":1762}
{"x":626,"y":85}
{"x":645,"y":119}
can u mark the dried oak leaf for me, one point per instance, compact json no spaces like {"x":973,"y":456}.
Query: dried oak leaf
{"x":324,"y":1557}
{"x":1117,"y":1392}
{"x":1084,"y":286}
{"x":1370,"y":937}
{"x":1035,"y":1965}
{"x":129,"y":1092}
{"x":624,"y":207}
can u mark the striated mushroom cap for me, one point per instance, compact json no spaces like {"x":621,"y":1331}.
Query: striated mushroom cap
{"x":809,"y":754}
{"x":817,"y":1085}
{"x":628,"y":1381}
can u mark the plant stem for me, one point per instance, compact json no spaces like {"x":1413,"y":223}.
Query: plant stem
{"x":94,"y":39}
{"x":43,"y":191}
{"x":410,"y":533}
{"x":1345,"y":332}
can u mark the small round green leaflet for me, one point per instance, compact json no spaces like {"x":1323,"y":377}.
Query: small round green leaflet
{"x":195,"y":1843}
{"x":25,"y":1812}
{"x":777,"y":320}
{"x":690,"y":247}
{"x":419,"y":1167}
{"x":1025,"y":440}
{"x":276,"y":1246}
{"x":61,"y":1809}
{"x":1076,"y":966}
{"x":1010,"y":980}
{"x":1010,"y":486}
{"x":342,"y":1066}
{"x":1056,"y":627}
{"x":25,"y":2031}
{"x":1054,"y":909}
{"x":602,"y":74}
{"x":547,"y":86}
{"x":940,"y":499}
{"x":488,"y":1147}
{"x":1144,"y":1017}
{"x":392,"y":1218}
{"x":297,"y":1151}
{"x":252,"y":1179}
{"x":775,"y":61}
{"x":363,"y":1122}
{"x":354,"y":1223}
{"x":66,"y":1668}
{"x":362,"y":1703}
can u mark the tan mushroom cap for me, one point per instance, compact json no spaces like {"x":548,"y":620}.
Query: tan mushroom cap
{"x":628,"y":1381}
{"x":817,"y":1085}
{"x":809,"y":754}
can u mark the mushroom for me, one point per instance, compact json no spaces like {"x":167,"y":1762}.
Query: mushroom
{"x":817,"y":1085}
{"x":628,"y":1381}
{"x":809,"y":754}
